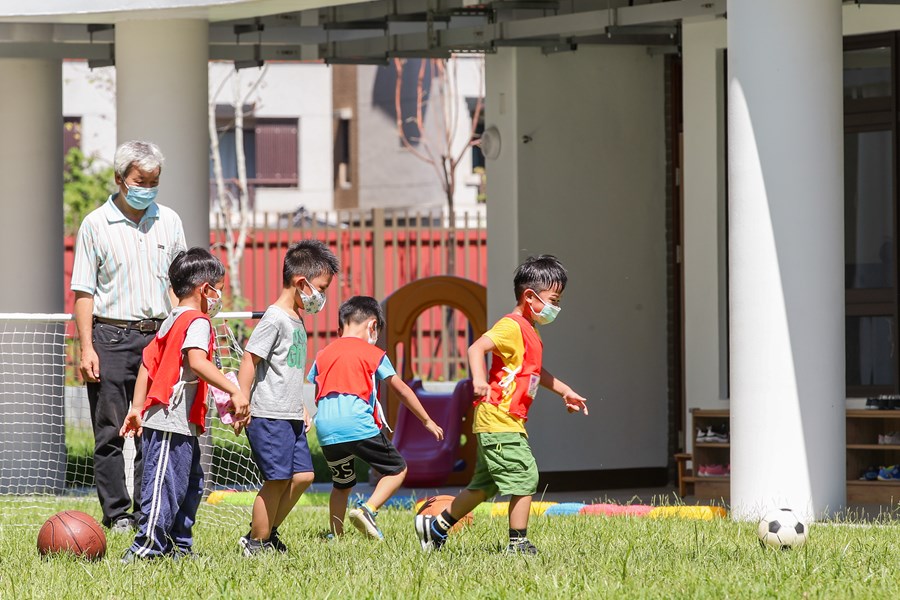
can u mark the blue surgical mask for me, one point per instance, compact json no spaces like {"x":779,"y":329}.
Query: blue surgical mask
{"x":139,"y":198}
{"x":548,"y":314}
{"x":312,"y":303}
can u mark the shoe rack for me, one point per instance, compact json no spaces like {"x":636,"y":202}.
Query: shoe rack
{"x":866,"y":448}
{"x":717,"y":452}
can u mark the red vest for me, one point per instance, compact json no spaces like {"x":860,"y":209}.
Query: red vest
{"x":348,"y":366}
{"x":163,"y":360}
{"x":527,"y":378}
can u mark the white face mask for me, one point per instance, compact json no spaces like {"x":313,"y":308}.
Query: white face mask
{"x":373,"y":336}
{"x":214,"y":305}
{"x":548,"y":314}
{"x":314,"y":303}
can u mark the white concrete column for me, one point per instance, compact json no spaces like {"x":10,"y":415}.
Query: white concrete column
{"x":501,"y":101}
{"x":785,"y":153}
{"x":32,"y":428}
{"x":31,"y":168}
{"x":161,"y":96}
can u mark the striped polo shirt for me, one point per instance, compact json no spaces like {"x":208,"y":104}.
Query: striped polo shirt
{"x":125,"y":265}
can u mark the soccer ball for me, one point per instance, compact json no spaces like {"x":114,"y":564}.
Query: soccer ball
{"x":781,"y":529}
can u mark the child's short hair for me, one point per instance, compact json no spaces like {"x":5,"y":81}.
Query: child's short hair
{"x":192,"y":268}
{"x":539,"y":273}
{"x":309,"y":258}
{"x":361,"y":308}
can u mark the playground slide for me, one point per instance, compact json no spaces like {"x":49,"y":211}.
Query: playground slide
{"x":430,"y":462}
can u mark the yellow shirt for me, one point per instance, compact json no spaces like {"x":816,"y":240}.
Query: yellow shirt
{"x":509,"y":348}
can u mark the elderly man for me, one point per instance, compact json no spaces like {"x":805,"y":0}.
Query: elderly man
{"x":121,"y":285}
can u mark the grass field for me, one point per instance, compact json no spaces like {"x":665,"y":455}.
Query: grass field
{"x":581,"y":557}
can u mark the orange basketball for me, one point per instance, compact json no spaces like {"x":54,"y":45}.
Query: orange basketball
{"x":72,"y":531}
{"x":438,"y":504}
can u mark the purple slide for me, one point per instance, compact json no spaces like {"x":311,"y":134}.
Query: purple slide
{"x":430,"y":462}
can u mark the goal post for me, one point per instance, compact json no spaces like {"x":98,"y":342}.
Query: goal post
{"x":46,"y":439}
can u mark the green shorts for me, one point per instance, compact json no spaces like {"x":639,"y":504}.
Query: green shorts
{"x":505,"y":465}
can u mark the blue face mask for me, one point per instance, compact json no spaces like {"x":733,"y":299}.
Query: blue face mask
{"x":139,"y":198}
{"x":548,"y":314}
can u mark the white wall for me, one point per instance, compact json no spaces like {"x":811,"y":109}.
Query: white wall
{"x":705,"y":297}
{"x":591,"y":190}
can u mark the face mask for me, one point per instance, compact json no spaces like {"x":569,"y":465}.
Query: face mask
{"x":312,"y":304}
{"x":214,"y":305}
{"x":373,"y":337}
{"x":139,"y":198}
{"x":547,"y":314}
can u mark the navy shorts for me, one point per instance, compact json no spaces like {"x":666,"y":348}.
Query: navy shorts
{"x":377,"y":450}
{"x":279,"y":447}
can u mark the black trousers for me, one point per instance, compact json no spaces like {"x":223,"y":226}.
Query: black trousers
{"x":119,"y":351}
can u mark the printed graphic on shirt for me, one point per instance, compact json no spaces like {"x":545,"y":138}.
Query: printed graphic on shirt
{"x":296,"y":357}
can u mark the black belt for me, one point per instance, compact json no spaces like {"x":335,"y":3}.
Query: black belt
{"x":144,"y":325}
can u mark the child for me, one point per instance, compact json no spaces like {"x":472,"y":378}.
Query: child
{"x":272,"y":369}
{"x":169,"y":408}
{"x":505,"y":462}
{"x":349,"y":418}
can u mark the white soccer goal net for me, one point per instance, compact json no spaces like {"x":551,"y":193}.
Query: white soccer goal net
{"x":46,"y":440}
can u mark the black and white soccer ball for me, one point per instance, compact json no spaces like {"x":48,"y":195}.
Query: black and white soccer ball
{"x":781,"y":529}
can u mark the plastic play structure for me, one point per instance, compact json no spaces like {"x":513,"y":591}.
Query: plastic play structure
{"x":432,"y":464}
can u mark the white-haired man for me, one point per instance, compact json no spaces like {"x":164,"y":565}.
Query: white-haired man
{"x":120,"y":279}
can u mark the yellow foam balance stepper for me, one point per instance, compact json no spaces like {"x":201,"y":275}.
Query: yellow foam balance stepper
{"x":501,"y":509}
{"x":705,"y":513}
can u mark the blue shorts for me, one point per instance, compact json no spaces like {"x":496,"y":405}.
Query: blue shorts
{"x":279,"y":447}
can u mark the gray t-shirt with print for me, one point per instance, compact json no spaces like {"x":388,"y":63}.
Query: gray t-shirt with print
{"x":279,"y":340}
{"x":175,"y":417}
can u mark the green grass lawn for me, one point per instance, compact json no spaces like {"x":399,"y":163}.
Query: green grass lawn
{"x":581,"y":557}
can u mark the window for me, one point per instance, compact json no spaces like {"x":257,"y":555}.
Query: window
{"x":271,"y":151}
{"x":870,"y":215}
{"x":343,"y":175}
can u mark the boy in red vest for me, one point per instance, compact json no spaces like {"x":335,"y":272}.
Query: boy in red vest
{"x":505,"y":463}
{"x":349,"y":417}
{"x":169,"y":408}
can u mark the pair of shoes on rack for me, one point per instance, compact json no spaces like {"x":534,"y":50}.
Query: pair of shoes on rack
{"x":890,"y":439}
{"x":889,"y":473}
{"x":713,"y":436}
{"x":713,"y":471}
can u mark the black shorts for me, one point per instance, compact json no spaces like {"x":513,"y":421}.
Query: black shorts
{"x":377,"y":450}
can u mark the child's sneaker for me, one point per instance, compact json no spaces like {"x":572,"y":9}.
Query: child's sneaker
{"x":364,"y":520}
{"x":253,"y":547}
{"x":429,"y":537}
{"x":521,"y":546}
{"x":276,"y":541}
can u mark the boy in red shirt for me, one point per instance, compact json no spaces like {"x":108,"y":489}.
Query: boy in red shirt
{"x":349,"y":418}
{"x":505,"y":463}
{"x":169,"y":408}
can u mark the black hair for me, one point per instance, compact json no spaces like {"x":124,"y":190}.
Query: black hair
{"x":310,"y":259}
{"x":361,"y":308}
{"x":193,"y":268}
{"x":539,"y":273}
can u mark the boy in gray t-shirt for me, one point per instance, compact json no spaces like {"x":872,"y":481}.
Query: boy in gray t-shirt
{"x":272,"y":370}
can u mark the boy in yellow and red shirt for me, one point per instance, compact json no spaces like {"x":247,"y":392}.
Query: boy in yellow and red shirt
{"x":502,"y":399}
